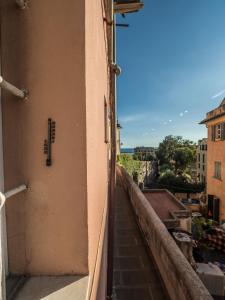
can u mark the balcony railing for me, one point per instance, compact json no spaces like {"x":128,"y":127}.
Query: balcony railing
{"x":179,"y":277}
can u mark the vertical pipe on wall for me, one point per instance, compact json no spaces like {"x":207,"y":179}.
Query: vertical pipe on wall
{"x":112,"y":53}
{"x":3,"y":236}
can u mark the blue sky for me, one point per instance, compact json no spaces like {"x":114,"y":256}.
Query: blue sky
{"x":173,"y":69}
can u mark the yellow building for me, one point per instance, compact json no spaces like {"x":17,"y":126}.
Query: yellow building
{"x":215,"y":122}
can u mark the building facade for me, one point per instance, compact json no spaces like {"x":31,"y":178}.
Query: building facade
{"x":58,"y":225}
{"x":202,"y":161}
{"x":145,"y":153}
{"x":215,"y":122}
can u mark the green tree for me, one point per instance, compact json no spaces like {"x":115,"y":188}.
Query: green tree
{"x":167,"y":149}
{"x":183,"y":157}
{"x":178,"y":183}
{"x":176,"y":151}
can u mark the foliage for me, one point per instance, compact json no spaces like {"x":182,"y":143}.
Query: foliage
{"x":176,"y":151}
{"x":178,"y":183}
{"x":166,"y":167}
{"x":183,"y":156}
{"x":199,"y":225}
{"x":145,"y":157}
{"x":132,"y":166}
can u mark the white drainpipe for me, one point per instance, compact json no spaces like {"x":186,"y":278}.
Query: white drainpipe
{"x":3,"y":239}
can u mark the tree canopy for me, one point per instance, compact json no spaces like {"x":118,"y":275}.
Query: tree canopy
{"x":176,"y":152}
{"x":178,"y":183}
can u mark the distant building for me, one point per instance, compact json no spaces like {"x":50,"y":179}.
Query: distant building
{"x":202,"y":161}
{"x":145,"y":153}
{"x":215,"y":122}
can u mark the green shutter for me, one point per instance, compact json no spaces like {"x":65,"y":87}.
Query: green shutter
{"x":213,"y":132}
{"x":223,"y":131}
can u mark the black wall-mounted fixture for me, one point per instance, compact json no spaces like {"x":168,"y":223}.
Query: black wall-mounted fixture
{"x":49,"y":141}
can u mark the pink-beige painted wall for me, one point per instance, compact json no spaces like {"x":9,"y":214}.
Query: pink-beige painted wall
{"x":43,"y":49}
{"x":216,"y":152}
{"x":97,"y":91}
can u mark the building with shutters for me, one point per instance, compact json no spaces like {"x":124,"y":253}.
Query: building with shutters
{"x":202,"y":161}
{"x":215,"y":123}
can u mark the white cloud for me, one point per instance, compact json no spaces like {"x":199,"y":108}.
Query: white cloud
{"x":218,"y":94}
{"x":131,"y":118}
{"x":165,"y":123}
{"x":153,"y":129}
{"x":181,"y":114}
{"x":170,"y":121}
{"x":186,"y":111}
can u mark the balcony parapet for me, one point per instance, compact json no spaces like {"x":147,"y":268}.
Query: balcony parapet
{"x":179,"y":277}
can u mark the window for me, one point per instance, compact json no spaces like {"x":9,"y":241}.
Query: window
{"x":203,"y":167}
{"x":218,"y":132}
{"x":203,"y":158}
{"x":199,"y":157}
{"x":217,"y":173}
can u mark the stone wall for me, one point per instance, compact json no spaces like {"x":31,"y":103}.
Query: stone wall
{"x":180,"y":279}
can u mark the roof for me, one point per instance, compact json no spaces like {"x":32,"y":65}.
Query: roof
{"x":127,"y":6}
{"x":166,"y":206}
{"x":215,"y":113}
{"x":206,"y":120}
{"x":223,"y":102}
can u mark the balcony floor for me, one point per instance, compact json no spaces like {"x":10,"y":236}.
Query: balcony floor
{"x":54,"y":288}
{"x":135,"y":273}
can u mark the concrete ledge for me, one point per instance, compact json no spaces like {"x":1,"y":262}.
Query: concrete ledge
{"x":170,"y":206}
{"x":180,"y":279}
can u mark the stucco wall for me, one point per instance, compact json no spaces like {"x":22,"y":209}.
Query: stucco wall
{"x":43,"y":49}
{"x":179,"y":278}
{"x":97,"y":91}
{"x":216,"y":152}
